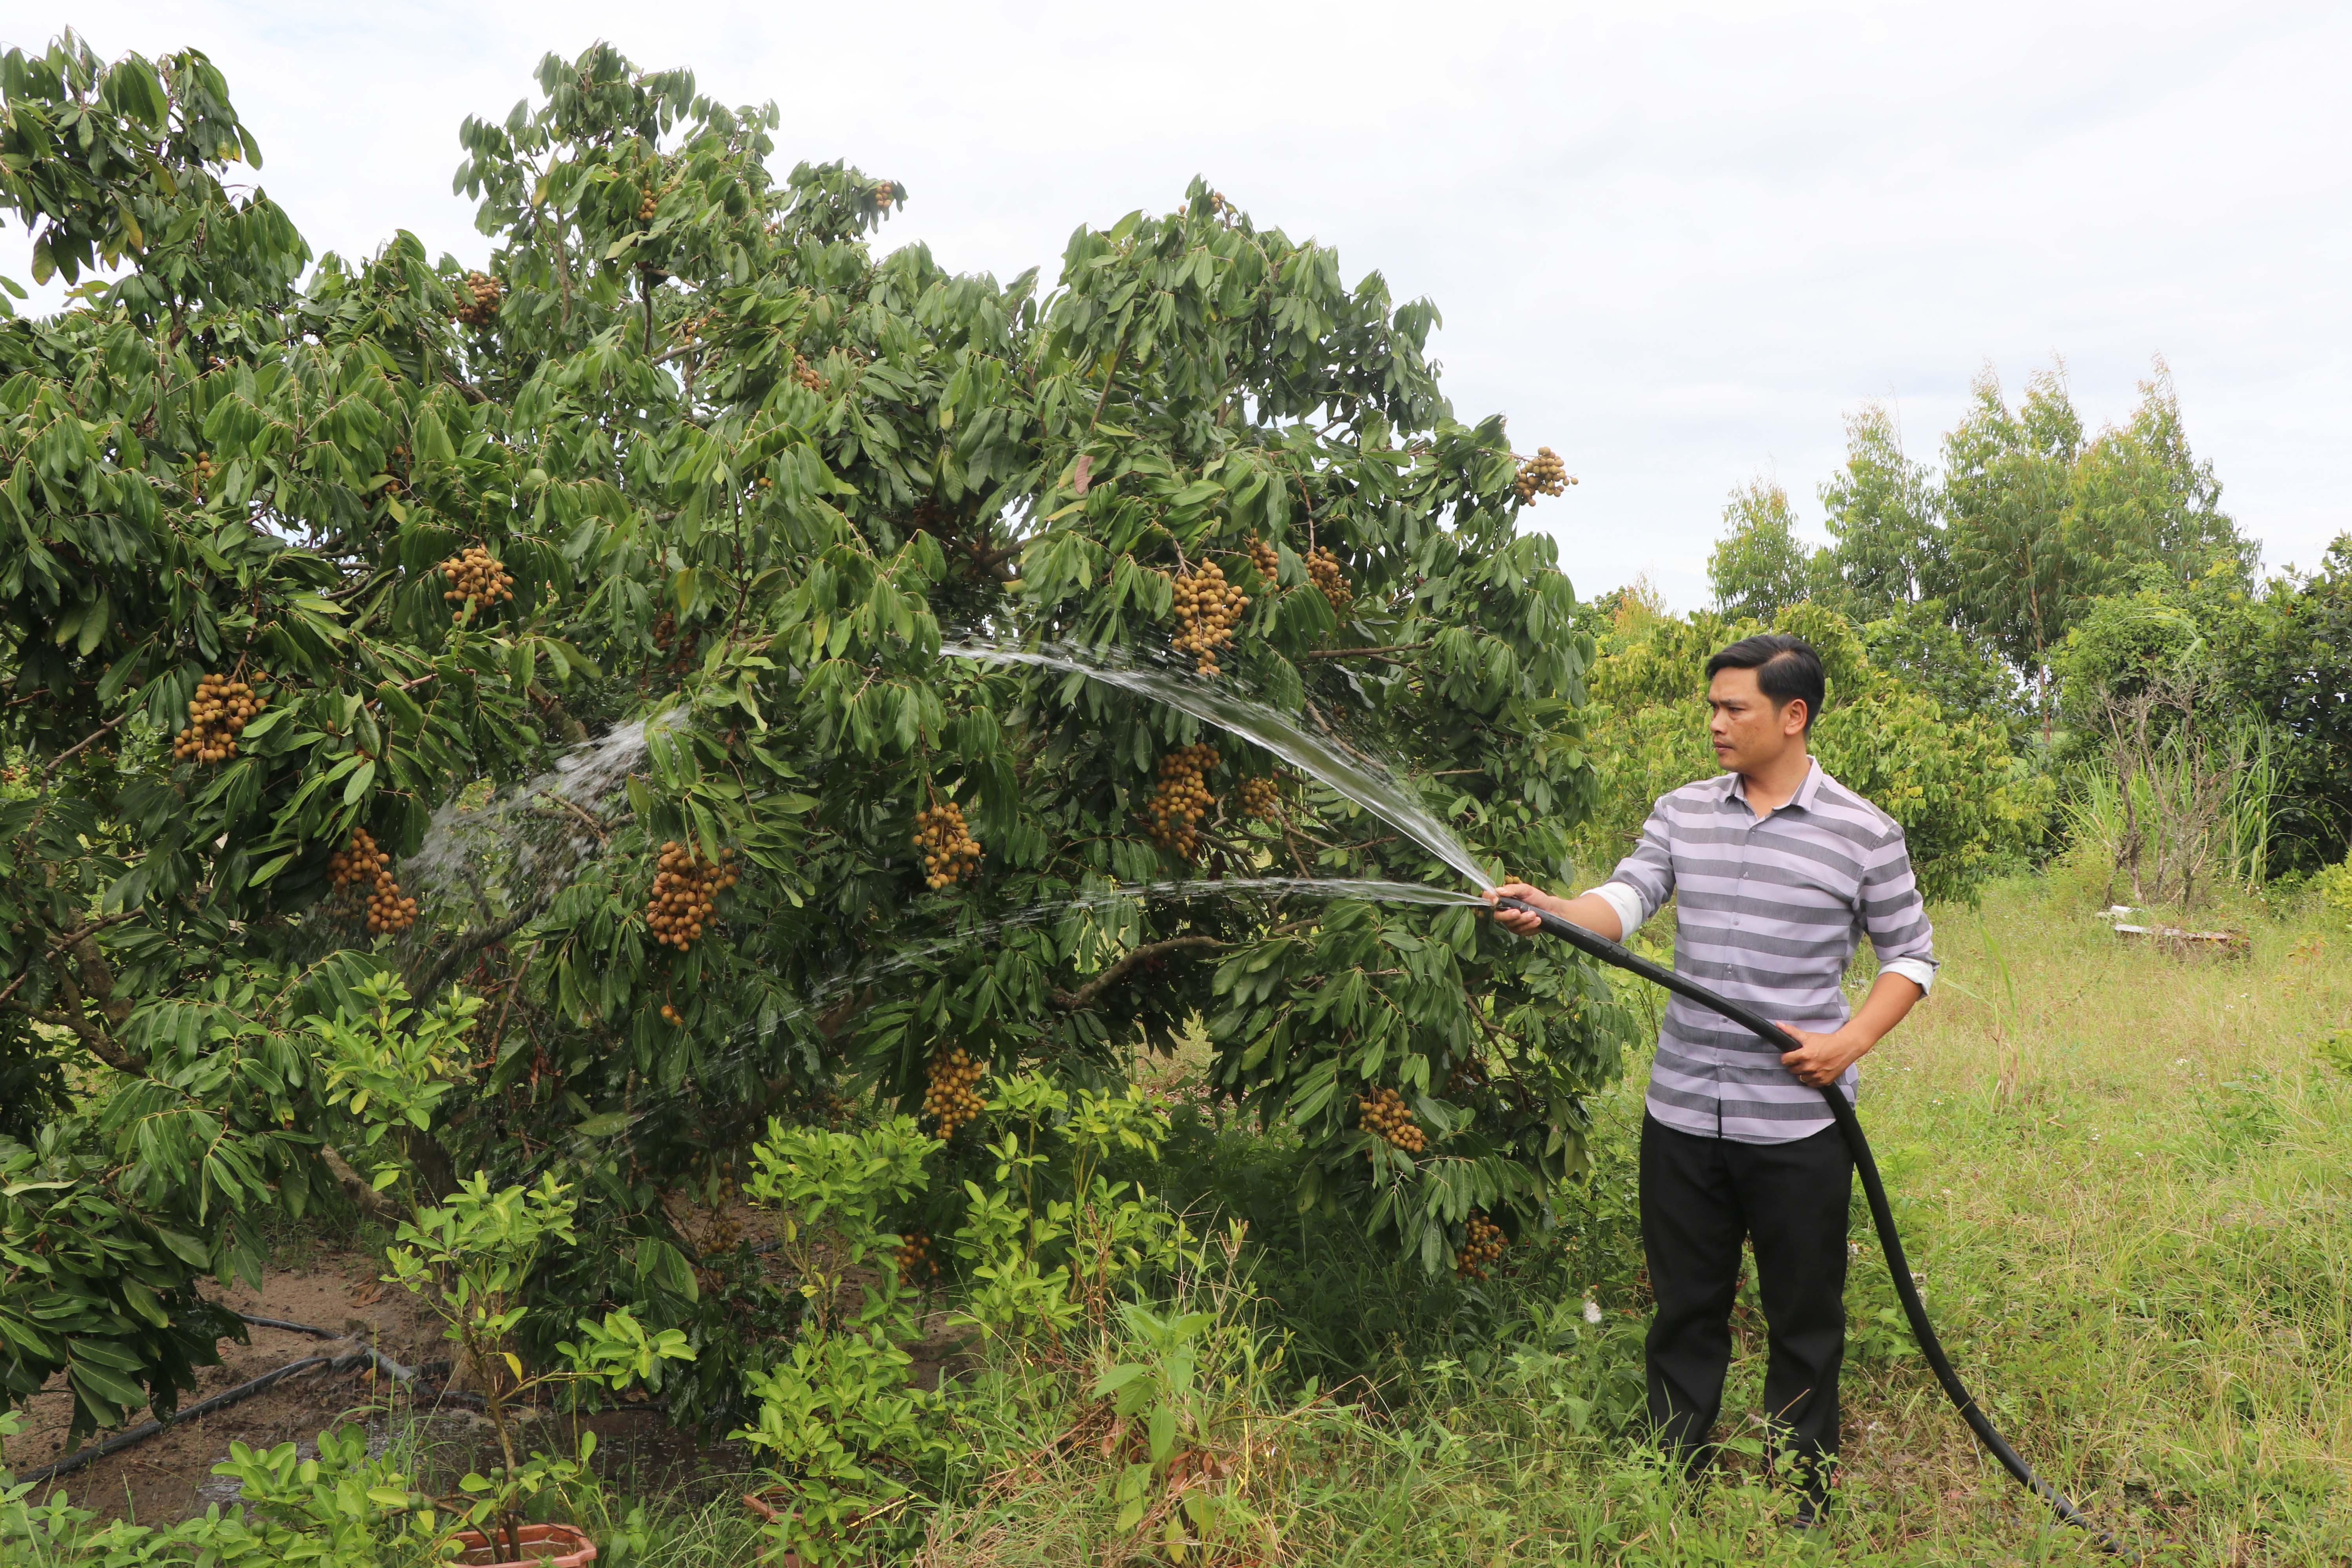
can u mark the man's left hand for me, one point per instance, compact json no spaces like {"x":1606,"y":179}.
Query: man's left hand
{"x":1824,"y":1056}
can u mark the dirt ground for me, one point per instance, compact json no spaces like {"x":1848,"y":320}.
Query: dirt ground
{"x":168,"y":1477}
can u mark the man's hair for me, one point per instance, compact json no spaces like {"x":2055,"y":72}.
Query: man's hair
{"x":1786,"y":669}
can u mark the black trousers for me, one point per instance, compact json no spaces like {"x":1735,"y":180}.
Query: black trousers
{"x":1700,"y":1196}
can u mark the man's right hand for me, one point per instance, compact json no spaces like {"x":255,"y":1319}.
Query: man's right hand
{"x":1520,"y":920}
{"x":1592,"y":912}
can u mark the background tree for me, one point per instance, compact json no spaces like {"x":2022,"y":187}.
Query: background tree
{"x":2018,"y":571}
{"x":2287,"y":659}
{"x":1917,"y":645}
{"x":1881,"y":513}
{"x":2146,"y":500}
{"x":2040,"y":522}
{"x":1757,"y":566}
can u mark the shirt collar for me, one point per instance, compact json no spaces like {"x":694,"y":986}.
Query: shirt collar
{"x":1803,"y":799}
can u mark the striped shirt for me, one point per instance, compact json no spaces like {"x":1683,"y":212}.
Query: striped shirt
{"x":1771,"y":913}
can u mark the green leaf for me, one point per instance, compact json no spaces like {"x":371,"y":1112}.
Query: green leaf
{"x":143,"y":1301}
{"x":187,"y":1248}
{"x":667,"y":1267}
{"x":105,"y":1383}
{"x":1163,"y":1432}
{"x":269,"y":868}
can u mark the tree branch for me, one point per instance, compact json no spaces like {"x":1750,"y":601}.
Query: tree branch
{"x":73,"y":1019}
{"x":990,"y":560}
{"x":465,"y":947}
{"x":66,"y":940}
{"x":98,"y":734}
{"x":358,"y":1189}
{"x":92,"y":973}
{"x":572,"y":730}
{"x":1086,"y":996}
{"x":1365,"y":652}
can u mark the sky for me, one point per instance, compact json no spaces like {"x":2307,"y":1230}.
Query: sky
{"x":1677,"y":243}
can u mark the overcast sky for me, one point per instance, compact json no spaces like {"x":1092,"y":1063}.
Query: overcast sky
{"x":1677,"y":243}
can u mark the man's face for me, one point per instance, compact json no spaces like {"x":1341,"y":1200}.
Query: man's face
{"x":1748,"y":731}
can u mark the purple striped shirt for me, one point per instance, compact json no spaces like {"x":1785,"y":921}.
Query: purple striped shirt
{"x":1769,"y":913}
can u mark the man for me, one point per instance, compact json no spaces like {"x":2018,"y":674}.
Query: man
{"x":1777,"y":870}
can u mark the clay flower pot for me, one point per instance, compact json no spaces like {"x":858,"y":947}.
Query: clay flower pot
{"x":539,"y":1545}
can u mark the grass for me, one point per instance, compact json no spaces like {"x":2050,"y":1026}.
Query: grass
{"x":2130,"y":1199}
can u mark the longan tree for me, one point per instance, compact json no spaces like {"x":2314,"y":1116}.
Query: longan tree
{"x":296,"y":556}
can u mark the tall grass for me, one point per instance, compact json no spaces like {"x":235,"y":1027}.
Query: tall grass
{"x":2190,"y":814}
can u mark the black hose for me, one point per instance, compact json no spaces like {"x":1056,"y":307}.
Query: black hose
{"x":362,"y":1355}
{"x":1882,"y":1215}
{"x":147,"y":1430}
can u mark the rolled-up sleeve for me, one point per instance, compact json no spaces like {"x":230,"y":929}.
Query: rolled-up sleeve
{"x":1644,"y":879}
{"x":1895,"y":916}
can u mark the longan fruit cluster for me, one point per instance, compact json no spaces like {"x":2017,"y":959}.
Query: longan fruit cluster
{"x":1262,"y":798}
{"x":914,"y":1258}
{"x":216,"y":714}
{"x":950,"y":852}
{"x":950,"y":1098}
{"x":885,"y":193}
{"x":1467,"y":1075}
{"x":363,"y":862}
{"x":1207,"y":608}
{"x":485,"y":293}
{"x":1266,"y":559}
{"x":672,"y":1016}
{"x":1180,"y":799}
{"x":646,"y":207}
{"x":686,"y":892}
{"x":201,"y":473}
{"x":1484,"y":1245}
{"x":476,"y":578}
{"x":677,"y":643}
{"x":1323,"y":568}
{"x":805,"y":374}
{"x":1384,"y":1112}
{"x":1543,"y":474}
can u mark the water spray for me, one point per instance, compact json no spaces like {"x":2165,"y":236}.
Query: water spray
{"x":1882,"y":1214}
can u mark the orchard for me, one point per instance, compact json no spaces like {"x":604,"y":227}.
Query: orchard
{"x":609,"y":784}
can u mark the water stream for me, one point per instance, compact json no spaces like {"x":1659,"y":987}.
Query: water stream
{"x":752,"y":1037}
{"x":1321,"y":755}
{"x":495,"y":863}
{"x":1128,"y":894}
